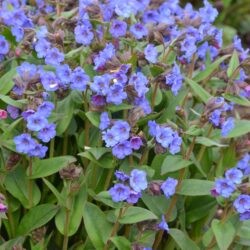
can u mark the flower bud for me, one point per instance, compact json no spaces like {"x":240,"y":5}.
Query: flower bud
{"x":71,"y":172}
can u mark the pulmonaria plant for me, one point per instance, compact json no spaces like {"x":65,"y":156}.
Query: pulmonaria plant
{"x":137,"y":105}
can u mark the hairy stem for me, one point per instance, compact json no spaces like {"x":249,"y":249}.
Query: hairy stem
{"x":30,"y":185}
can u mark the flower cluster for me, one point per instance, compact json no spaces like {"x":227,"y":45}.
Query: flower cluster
{"x":131,"y":186}
{"x":233,"y":183}
{"x":217,"y":111}
{"x":165,"y":137}
{"x":117,"y":135}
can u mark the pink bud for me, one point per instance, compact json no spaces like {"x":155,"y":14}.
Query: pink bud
{"x":3,"y":208}
{"x":3,"y":114}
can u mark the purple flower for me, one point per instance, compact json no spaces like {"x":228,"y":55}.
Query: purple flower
{"x":138,"y":30}
{"x":49,"y":80}
{"x":36,"y":122}
{"x":27,"y":113}
{"x":42,"y":32}
{"x":136,"y":142}
{"x":118,"y":28}
{"x":168,"y":186}
{"x":116,"y":94}
{"x":151,"y":53}
{"x":83,"y":34}
{"x":244,"y":164}
{"x":133,"y":197}
{"x":227,"y":126}
{"x":175,"y":145}
{"x":47,"y":132}
{"x":107,"y":53}
{"x":119,"y":192}
{"x":13,"y":111}
{"x":24,"y":143}
{"x":122,"y":129}
{"x":208,"y":13}
{"x":139,"y":81}
{"x":79,"y":79}
{"x":152,"y":128}
{"x":214,"y":117}
{"x":100,"y":84}
{"x":174,"y":79}
{"x":245,"y":216}
{"x":98,"y":101}
{"x":38,"y":151}
{"x":122,"y":149}
{"x":54,"y":57}
{"x":224,"y":187}
{"x":242,"y":203}
{"x":45,"y":108}
{"x":234,"y":175}
{"x":104,"y":121}
{"x":3,"y":208}
{"x":163,"y":224}
{"x":138,"y":180}
{"x":17,"y":32}
{"x":120,"y":175}
{"x":63,"y":72}
{"x":41,"y":47}
{"x":110,"y":137}
{"x":164,"y":136}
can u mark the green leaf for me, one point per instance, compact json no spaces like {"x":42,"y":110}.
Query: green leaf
{"x":194,"y":187}
{"x":158,"y":205}
{"x":208,"y":142}
{"x":16,"y":183}
{"x":96,"y":225}
{"x":36,"y":217}
{"x":182,"y":240}
{"x":241,"y":127}
{"x":199,"y":90}
{"x":6,"y":81}
{"x":11,"y":243}
{"x":43,"y":168}
{"x":121,"y":243}
{"x":224,"y":233}
{"x":136,"y":214}
{"x":233,"y":64}
{"x":156,"y":70}
{"x":116,"y":108}
{"x":194,"y":131}
{"x":105,"y":198}
{"x":94,"y":118}
{"x":19,"y":103}
{"x":209,"y":69}
{"x":173,"y":163}
{"x":78,"y":204}
{"x":237,"y":99}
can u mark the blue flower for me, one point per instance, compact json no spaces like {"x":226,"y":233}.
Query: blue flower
{"x":138,"y":180}
{"x":138,"y":30}
{"x":13,"y":111}
{"x":45,"y":108}
{"x":174,"y":79}
{"x":208,"y":13}
{"x":133,"y":197}
{"x":242,"y":203}
{"x":4,"y":46}
{"x":24,"y":143}
{"x":234,"y":175}
{"x":152,"y":125}
{"x":245,"y":216}
{"x":36,"y":122}
{"x":110,"y":137}
{"x":175,"y":145}
{"x":17,"y":32}
{"x":122,"y":129}
{"x":121,"y":176}
{"x":41,"y":47}
{"x":83,"y":34}
{"x":136,"y":142}
{"x":244,"y":164}
{"x":107,"y":53}
{"x":27,"y":70}
{"x":79,"y":79}
{"x":116,"y":94}
{"x":215,"y":117}
{"x":63,"y":73}
{"x":168,"y":186}
{"x":139,"y":81}
{"x":38,"y":151}
{"x":151,"y":53}
{"x":104,"y":121}
{"x":224,"y":187}
{"x":227,"y":126}
{"x":122,"y":149}
{"x":54,"y":57}
{"x":100,"y":84}
{"x":47,"y":132}
{"x":163,"y":224}
{"x":118,"y":28}
{"x":164,"y":136}
{"x":119,"y":192}
{"x":49,"y":80}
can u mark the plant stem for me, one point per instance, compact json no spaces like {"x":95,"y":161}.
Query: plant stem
{"x":174,"y":199}
{"x":51,"y":148}
{"x":30,"y":187}
{"x":67,"y":219}
{"x":154,"y":95}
